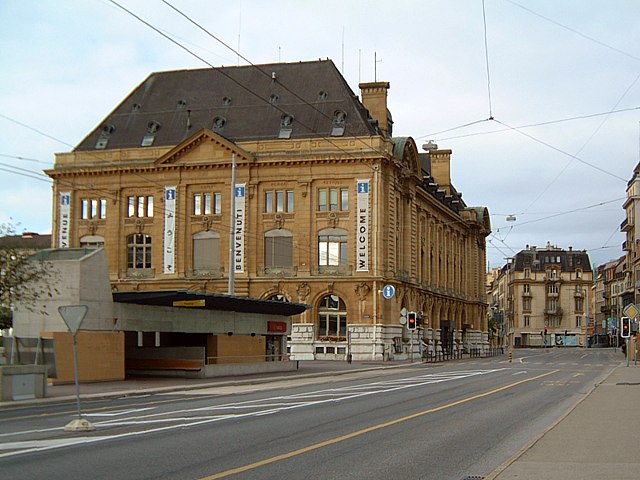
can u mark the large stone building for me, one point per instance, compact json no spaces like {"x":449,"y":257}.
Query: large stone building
{"x":278,"y":182}
{"x":545,"y":290}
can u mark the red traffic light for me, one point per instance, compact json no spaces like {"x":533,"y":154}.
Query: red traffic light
{"x":625,"y":331}
{"x":412,"y":321}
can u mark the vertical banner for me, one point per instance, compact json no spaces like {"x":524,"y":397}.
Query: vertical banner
{"x":239,"y":227}
{"x":362,"y":233}
{"x":64,"y":224}
{"x":169,"y":229}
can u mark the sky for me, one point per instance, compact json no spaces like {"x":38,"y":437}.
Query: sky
{"x":538,"y":100}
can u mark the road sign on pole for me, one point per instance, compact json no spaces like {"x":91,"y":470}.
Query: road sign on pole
{"x":631,"y":311}
{"x":73,"y":315}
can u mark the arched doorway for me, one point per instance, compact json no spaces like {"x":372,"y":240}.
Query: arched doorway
{"x":331,"y":328}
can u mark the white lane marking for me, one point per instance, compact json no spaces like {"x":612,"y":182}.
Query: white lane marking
{"x":283,"y":403}
{"x":116,"y":414}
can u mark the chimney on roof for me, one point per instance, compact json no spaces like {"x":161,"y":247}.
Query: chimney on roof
{"x":440,"y":165}
{"x":374,"y":99}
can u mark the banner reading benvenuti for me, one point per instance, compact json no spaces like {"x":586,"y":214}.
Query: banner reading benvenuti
{"x":169,"y":229}
{"x":64,"y":224}
{"x":239,"y":227}
{"x":362,"y":234}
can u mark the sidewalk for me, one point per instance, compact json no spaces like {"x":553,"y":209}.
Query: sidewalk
{"x":597,"y":440}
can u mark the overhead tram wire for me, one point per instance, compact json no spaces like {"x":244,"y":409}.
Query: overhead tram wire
{"x":347,"y":153}
{"x":573,"y":30}
{"x":529,"y":125}
{"x":593,"y":134}
{"x":25,"y":159}
{"x":282,"y":84}
{"x":541,"y":142}
{"x":244,"y":87}
{"x":486,"y":56}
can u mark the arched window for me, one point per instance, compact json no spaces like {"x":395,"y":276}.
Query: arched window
{"x":139,"y":251}
{"x":206,"y":252}
{"x":278,"y":248}
{"x":332,"y":318}
{"x":92,"y":241}
{"x":333,"y":247}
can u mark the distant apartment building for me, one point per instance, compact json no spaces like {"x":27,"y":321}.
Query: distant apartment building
{"x":631,"y":246}
{"x":543,"y":296}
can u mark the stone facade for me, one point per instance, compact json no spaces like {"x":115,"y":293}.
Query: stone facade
{"x":545,"y":290}
{"x":327,"y":219}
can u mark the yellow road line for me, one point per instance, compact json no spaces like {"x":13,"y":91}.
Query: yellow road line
{"x":357,"y":433}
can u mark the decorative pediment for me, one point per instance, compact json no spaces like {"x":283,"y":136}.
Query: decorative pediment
{"x":406,"y":154}
{"x":204,"y":147}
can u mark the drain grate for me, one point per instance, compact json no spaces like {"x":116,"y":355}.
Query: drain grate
{"x":473,"y":477}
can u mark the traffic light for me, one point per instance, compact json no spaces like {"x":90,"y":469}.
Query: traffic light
{"x":412,"y":321}
{"x":625,"y":332}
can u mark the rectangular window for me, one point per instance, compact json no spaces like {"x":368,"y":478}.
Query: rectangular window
{"x":278,"y":201}
{"x":344,"y":199}
{"x":140,"y":206}
{"x":526,"y":304}
{"x":290,"y":201}
{"x":334,"y":199}
{"x":578,"y":321}
{"x":93,"y":208}
{"x":268,"y":202}
{"x":527,"y":288}
{"x":322,"y":200}
{"x":85,"y":208}
{"x":131,"y":212}
{"x":527,"y":321}
{"x":206,"y":203}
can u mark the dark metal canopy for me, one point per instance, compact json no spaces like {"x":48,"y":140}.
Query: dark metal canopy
{"x":209,"y":301}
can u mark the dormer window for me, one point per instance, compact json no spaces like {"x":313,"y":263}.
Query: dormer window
{"x":105,"y":134}
{"x":339,"y":123}
{"x":152,"y":130}
{"x":218,"y":124}
{"x":286,"y":126}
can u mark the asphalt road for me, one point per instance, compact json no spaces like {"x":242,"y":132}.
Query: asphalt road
{"x":427,"y":421}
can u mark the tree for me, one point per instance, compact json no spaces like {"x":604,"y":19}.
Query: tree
{"x":24,"y":277}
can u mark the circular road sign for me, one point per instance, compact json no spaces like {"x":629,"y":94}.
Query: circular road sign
{"x":388,"y":291}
